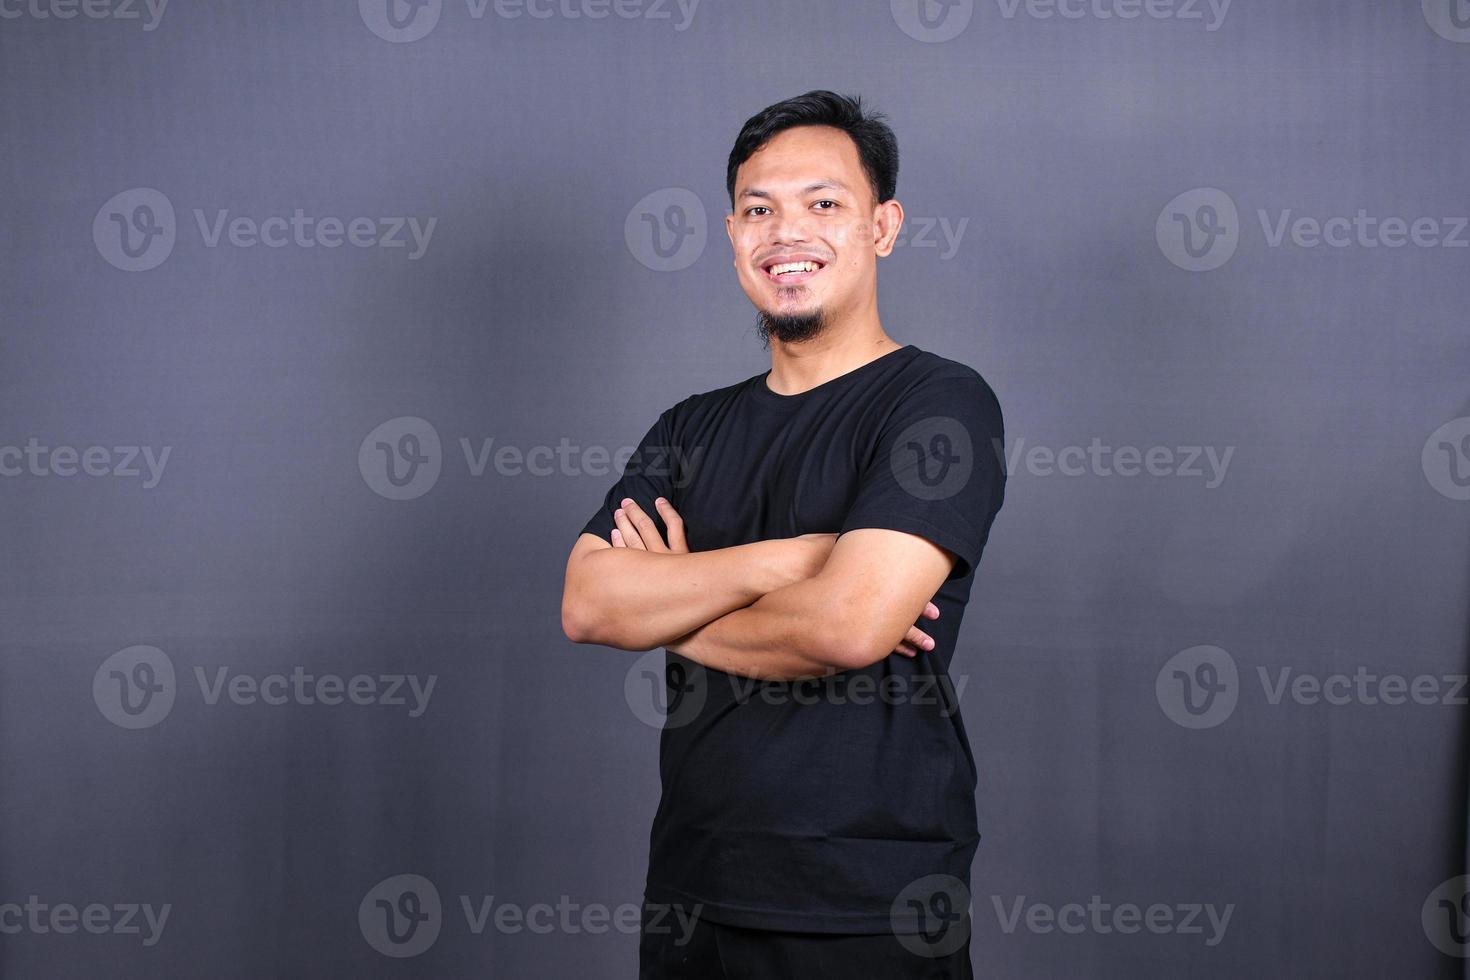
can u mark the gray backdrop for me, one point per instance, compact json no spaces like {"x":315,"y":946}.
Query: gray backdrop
{"x":323,"y":321}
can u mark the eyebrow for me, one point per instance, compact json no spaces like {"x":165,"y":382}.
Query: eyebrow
{"x":820,"y":185}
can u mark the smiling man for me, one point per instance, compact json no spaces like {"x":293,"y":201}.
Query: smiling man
{"x":783,"y":539}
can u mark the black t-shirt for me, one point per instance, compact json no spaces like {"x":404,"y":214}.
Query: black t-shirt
{"x":810,"y":805}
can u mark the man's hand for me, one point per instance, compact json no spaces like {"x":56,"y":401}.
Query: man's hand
{"x":635,"y":529}
{"x":916,"y":639}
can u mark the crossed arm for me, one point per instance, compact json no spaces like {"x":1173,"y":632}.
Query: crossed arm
{"x":782,"y":609}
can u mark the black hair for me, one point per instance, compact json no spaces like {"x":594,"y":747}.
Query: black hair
{"x":877,"y":148}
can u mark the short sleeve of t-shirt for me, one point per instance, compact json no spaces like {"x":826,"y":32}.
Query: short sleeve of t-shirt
{"x":936,"y":470}
{"x":649,"y":473}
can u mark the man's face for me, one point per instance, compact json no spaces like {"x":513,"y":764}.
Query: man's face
{"x":804,"y":198}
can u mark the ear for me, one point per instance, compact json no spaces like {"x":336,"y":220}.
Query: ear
{"x":887,"y":220}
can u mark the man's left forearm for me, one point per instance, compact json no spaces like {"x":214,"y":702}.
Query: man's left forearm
{"x":788,"y":634}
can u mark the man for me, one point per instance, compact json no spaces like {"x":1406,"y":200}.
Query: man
{"x":782,"y":538}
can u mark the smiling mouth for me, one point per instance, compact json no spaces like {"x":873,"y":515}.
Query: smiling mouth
{"x":790,"y":273}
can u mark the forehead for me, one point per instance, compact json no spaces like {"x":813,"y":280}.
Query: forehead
{"x":796,"y":158}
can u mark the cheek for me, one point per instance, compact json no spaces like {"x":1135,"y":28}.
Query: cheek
{"x":857,"y":235}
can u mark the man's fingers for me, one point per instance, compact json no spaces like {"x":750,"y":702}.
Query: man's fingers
{"x":617,"y":538}
{"x":931,"y":611}
{"x":638,"y":530}
{"x":914,"y":641}
{"x":918,"y":639}
{"x":631,"y":537}
{"x":674,"y":523}
{"x":647,"y":530}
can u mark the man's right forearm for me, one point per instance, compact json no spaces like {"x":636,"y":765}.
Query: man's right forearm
{"x":638,"y":600}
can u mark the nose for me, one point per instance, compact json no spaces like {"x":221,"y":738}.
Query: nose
{"x":790,"y":228}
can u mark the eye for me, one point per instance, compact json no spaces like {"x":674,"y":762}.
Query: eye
{"x":833,"y":203}
{"x":758,"y":207}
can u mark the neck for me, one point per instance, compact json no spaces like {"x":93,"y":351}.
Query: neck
{"x":798,"y":367}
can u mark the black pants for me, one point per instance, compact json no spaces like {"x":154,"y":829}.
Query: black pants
{"x":697,"y":949}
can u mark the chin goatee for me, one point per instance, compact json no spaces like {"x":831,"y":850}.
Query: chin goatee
{"x":789,"y":329}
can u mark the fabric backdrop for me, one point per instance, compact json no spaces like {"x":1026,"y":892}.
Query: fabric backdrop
{"x":326,"y":325}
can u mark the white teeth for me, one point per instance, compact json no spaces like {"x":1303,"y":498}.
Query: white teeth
{"x":785,"y":267}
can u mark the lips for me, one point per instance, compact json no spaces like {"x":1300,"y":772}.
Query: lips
{"x":792,"y":276}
